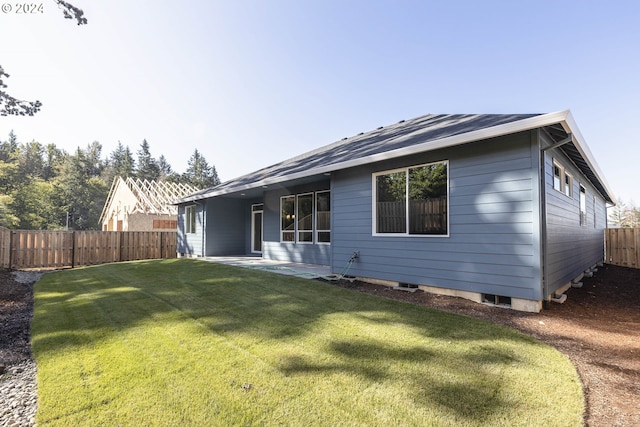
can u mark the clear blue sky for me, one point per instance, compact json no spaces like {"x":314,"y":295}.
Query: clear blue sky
{"x":250,"y":83}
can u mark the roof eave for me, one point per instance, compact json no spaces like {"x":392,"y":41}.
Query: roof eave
{"x":563,"y":117}
{"x":580,"y":144}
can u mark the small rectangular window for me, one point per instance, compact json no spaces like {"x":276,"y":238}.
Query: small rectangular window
{"x":323,"y":217}
{"x":562,"y":180}
{"x":568,"y":185}
{"x":190,"y":219}
{"x":304,"y":218}
{"x":288,"y":218}
{"x":557,"y":178}
{"x":583,"y":205}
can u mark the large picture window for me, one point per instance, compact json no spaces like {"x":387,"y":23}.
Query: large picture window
{"x":412,"y":201}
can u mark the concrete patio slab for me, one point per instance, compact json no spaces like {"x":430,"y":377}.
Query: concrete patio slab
{"x":306,"y":271}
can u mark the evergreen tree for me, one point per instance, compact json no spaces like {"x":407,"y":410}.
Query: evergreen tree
{"x":147,"y":166}
{"x":199,"y":173}
{"x":54,"y":158}
{"x":120,"y":163}
{"x":165,"y":172}
{"x":9,"y":150}
{"x":31,"y":160}
{"x":81,"y":195}
{"x":93,"y":158}
{"x":9,"y":154}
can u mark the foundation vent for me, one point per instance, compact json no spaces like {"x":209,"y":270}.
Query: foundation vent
{"x":496,"y":300}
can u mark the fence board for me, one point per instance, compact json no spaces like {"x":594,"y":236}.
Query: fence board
{"x":623,"y":247}
{"x":5,"y":247}
{"x":57,"y":249}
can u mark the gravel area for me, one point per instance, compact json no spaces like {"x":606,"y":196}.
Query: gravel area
{"x":18,"y":389}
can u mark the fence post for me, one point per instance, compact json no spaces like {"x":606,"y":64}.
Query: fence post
{"x":11,"y":249}
{"x":73,"y":249}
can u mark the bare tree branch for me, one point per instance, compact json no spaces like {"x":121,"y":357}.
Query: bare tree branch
{"x":10,"y":106}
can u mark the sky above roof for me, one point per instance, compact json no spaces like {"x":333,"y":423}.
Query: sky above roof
{"x":251,"y":83}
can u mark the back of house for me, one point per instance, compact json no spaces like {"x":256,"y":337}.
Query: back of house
{"x":501,"y":208}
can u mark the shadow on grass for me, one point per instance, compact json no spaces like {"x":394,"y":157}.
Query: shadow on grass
{"x":74,"y":307}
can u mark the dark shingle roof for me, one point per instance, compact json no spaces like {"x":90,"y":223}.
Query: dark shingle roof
{"x":423,"y":133}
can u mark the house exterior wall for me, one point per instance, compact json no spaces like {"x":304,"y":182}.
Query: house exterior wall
{"x":272,"y":247}
{"x":493,"y":245}
{"x":226,"y":226}
{"x":571,"y":247}
{"x":191,"y":244}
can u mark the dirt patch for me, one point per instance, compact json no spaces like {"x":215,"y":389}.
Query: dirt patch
{"x":16,"y":310}
{"x":598,"y":328}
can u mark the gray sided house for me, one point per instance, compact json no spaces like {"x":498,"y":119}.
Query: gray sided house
{"x":502,"y":208}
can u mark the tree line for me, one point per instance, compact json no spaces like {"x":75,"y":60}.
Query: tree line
{"x":43,"y":187}
{"x":625,"y":215}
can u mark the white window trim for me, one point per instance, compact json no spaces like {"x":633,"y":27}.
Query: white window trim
{"x":314,"y":231}
{"x":564,"y":186}
{"x":294,"y":220}
{"x":190,"y":224}
{"x":582,"y":205}
{"x":374,"y":211}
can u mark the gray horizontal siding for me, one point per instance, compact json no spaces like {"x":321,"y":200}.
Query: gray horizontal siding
{"x":493,"y":245}
{"x":191,"y":243}
{"x":226,"y":226}
{"x":571,"y":247}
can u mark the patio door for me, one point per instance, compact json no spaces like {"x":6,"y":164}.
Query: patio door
{"x":256,"y":228}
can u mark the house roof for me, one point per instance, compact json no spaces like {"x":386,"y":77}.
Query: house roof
{"x":152,"y":197}
{"x":406,"y":137}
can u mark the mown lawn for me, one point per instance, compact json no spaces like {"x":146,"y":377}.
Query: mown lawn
{"x":191,"y":343}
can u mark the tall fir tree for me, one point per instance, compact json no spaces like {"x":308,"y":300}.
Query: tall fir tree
{"x":199,"y":173}
{"x":165,"y":172}
{"x":147,"y":166}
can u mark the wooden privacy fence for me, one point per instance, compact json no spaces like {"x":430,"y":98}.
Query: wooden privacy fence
{"x":56,"y":249}
{"x":425,"y":216}
{"x":623,"y":247}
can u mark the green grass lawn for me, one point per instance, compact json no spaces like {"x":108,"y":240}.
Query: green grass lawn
{"x":185,"y":342}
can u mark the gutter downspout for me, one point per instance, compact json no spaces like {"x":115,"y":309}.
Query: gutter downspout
{"x":543,"y":228}
{"x":204,"y":228}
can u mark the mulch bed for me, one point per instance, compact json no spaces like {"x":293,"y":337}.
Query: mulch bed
{"x":598,"y":328}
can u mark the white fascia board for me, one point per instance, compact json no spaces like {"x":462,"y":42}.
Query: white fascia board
{"x":583,"y":149}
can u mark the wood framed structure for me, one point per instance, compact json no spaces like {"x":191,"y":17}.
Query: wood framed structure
{"x":141,"y":205}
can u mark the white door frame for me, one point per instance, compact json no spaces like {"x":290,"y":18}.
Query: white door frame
{"x":255,"y":211}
